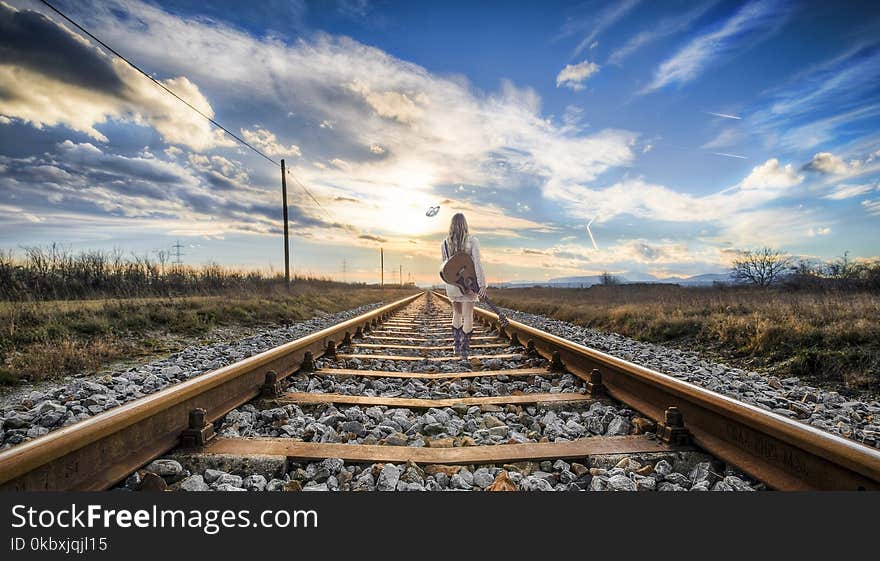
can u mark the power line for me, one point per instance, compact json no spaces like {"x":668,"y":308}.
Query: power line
{"x":185,"y":102}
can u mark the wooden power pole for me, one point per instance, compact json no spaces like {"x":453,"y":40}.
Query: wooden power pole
{"x":381,"y":267}
{"x":286,"y":242}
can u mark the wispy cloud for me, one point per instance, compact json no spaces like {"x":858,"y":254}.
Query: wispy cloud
{"x":573,"y":76}
{"x":847,"y":191}
{"x":746,"y":25}
{"x":593,"y":24}
{"x":659,"y":30}
{"x":816,"y":104}
{"x":872,"y":206}
{"x":727,"y":137}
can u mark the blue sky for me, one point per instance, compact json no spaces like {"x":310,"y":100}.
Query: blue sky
{"x":683,"y":132}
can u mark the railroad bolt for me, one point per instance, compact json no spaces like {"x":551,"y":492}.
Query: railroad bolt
{"x":346,"y":341}
{"x":556,"y":364}
{"x":199,"y":432}
{"x":673,"y":430}
{"x":197,"y":418}
{"x":308,"y":363}
{"x":359,"y":333}
{"x":530,"y":347}
{"x":330,"y":351}
{"x":271,"y":388}
{"x":594,"y":386}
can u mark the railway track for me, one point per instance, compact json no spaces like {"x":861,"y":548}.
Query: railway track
{"x":385,"y":388}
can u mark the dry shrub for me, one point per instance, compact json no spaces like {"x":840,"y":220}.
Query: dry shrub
{"x":821,"y":335}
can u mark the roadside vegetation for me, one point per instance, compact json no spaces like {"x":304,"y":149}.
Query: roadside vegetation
{"x":72,"y":314}
{"x":819,"y":322}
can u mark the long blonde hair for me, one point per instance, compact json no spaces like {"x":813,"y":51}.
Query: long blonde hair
{"x":458,"y":233}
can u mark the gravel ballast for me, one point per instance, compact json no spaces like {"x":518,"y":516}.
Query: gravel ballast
{"x":27,"y":413}
{"x":826,"y":410}
{"x":680,"y":471}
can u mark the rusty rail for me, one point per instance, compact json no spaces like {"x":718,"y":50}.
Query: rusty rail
{"x":784,"y":454}
{"x":98,"y":452}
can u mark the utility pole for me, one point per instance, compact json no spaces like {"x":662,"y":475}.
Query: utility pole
{"x":344,"y":264}
{"x":381,"y":267}
{"x":286,"y":242}
{"x":400,"y":276}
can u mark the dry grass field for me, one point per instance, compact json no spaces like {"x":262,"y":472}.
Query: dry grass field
{"x":829,"y":338}
{"x":47,"y":339}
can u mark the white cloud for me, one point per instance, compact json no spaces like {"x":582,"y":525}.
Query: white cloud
{"x":772,"y":175}
{"x":173,"y":152}
{"x":826,"y":162}
{"x":574,"y":75}
{"x":88,"y":88}
{"x":700,"y":52}
{"x":872,"y":206}
{"x":404,"y":107}
{"x":267,"y":142}
{"x":813,"y":232}
{"x":377,"y":149}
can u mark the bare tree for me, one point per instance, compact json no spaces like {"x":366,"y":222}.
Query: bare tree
{"x":607,"y":279}
{"x":844,"y":268}
{"x":761,"y":267}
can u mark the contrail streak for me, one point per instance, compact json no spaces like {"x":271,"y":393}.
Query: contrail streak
{"x":724,"y":115}
{"x":592,"y":239}
{"x":729,"y":155}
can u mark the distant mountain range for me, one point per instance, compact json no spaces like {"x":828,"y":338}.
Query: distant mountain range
{"x":706,"y":279}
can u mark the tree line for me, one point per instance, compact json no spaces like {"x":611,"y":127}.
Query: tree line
{"x":767,"y":266}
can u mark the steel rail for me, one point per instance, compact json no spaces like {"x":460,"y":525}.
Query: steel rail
{"x":784,"y":454}
{"x":98,"y":452}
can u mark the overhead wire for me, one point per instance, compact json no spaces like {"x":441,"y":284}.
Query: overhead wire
{"x":182,"y":100}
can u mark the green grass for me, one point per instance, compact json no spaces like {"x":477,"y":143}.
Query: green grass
{"x":44,"y":340}
{"x":827,"y":338}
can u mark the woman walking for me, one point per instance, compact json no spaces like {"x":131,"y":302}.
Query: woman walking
{"x":458,"y":241}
